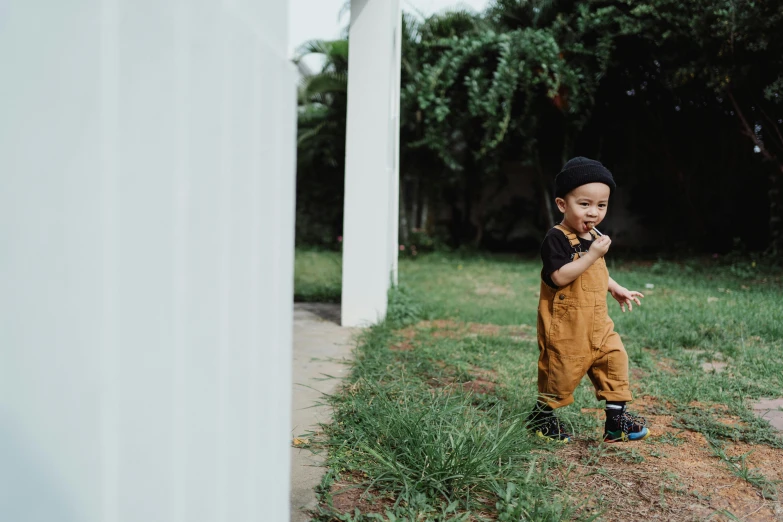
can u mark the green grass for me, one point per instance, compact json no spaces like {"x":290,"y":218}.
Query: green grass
{"x":317,"y":276}
{"x":436,"y":447}
{"x":485,"y":289}
{"x":703,"y":313}
{"x":439,"y":452}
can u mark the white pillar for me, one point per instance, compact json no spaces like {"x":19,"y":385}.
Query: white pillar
{"x":147,"y":153}
{"x":370,"y":229}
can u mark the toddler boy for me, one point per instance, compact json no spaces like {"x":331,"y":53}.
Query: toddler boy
{"x":575,"y":334}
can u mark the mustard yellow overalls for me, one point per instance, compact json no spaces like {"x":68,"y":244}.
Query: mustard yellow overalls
{"x":577,"y":337}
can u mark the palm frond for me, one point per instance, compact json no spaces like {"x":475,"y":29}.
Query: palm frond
{"x":308,"y":114}
{"x":324,"y":83}
{"x":309,"y":134}
{"x":334,"y":51}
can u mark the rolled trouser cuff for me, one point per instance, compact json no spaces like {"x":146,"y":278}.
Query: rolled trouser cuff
{"x":555,"y":402}
{"x":614,"y":396}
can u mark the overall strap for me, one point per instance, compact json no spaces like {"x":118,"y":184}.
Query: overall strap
{"x":574,"y":241}
{"x":570,"y":236}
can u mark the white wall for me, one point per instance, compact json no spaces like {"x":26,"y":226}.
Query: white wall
{"x":370,"y":229}
{"x":147,"y":153}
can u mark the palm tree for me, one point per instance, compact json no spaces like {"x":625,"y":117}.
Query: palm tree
{"x":322,"y":103}
{"x":323,"y":95}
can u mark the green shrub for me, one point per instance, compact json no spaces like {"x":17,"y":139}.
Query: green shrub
{"x":402,"y":309}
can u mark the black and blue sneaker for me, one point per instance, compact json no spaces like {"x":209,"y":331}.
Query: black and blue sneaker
{"x":622,"y":426}
{"x":547,"y":426}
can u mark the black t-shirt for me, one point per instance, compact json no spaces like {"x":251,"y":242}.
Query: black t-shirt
{"x":556,"y":251}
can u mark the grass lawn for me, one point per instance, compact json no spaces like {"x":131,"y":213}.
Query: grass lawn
{"x":430,"y":425}
{"x":317,"y":275}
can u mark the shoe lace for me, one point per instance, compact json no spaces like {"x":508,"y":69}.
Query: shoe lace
{"x":551,"y":425}
{"x":631,"y":423}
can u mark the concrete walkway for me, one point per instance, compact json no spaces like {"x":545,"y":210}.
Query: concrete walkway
{"x":321,"y":348}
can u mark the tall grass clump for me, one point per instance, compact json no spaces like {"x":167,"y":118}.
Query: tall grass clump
{"x":436,"y":448}
{"x":403,"y":309}
{"x":439,"y":444}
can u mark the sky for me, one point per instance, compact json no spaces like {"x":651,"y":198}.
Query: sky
{"x":311,"y":19}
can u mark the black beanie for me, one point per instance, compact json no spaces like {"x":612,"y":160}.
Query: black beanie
{"x":581,"y":171}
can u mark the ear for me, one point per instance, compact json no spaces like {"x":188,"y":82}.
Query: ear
{"x":561,"y":205}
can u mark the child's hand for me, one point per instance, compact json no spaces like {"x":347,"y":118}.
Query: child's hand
{"x":625,"y":296}
{"x":600,"y":246}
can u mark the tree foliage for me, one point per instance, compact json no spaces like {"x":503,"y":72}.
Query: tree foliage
{"x":724,"y":56}
{"x":532,"y":82}
{"x":322,"y":102}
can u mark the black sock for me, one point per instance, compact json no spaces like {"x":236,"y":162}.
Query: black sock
{"x":541,"y":410}
{"x":613,"y":411}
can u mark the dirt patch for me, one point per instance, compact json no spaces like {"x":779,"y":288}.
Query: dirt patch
{"x":401,"y":347}
{"x":672,"y":476}
{"x":719,"y":408}
{"x":440,"y":329}
{"x":447,"y":334}
{"x":714,"y":366}
{"x":408,"y":334}
{"x":481,"y":382}
{"x":440,"y":324}
{"x":666,"y":365}
{"x":661,"y":482}
{"x":447,"y":329}
{"x":351,"y":492}
{"x":484,"y":329}
{"x":478,"y":385}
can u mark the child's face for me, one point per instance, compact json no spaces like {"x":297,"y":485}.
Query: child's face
{"x":585,"y":206}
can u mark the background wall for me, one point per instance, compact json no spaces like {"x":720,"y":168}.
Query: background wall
{"x":147,"y":155}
